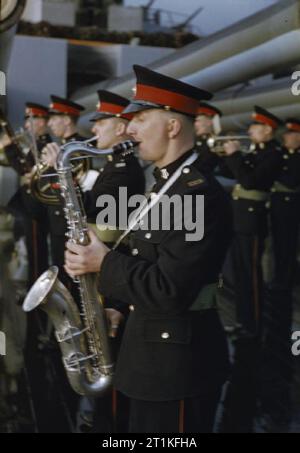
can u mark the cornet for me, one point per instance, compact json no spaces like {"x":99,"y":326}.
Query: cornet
{"x":216,"y":144}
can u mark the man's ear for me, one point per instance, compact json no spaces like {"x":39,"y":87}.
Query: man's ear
{"x":268,"y":129}
{"x":121,"y":129}
{"x":174,"y":127}
{"x":67,"y":120}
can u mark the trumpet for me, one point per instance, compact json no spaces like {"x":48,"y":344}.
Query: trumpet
{"x":216,"y":143}
{"x":22,"y":142}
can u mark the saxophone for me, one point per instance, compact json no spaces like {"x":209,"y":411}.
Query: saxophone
{"x":82,"y":337}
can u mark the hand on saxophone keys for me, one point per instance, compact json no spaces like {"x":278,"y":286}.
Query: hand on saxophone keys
{"x":81,"y":260}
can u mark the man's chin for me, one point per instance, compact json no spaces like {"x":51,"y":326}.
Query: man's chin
{"x":143,"y":154}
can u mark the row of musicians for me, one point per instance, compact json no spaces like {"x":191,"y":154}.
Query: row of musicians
{"x":268,"y":172}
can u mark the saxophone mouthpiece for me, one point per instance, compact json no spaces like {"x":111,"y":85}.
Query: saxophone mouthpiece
{"x":125,"y":146}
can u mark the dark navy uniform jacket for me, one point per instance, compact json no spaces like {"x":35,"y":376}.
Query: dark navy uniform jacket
{"x":285,"y":195}
{"x":255,"y":171}
{"x":169,"y":351}
{"x":120,"y":171}
{"x":209,"y":160}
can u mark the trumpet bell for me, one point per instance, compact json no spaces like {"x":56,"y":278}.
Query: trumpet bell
{"x":216,"y":144}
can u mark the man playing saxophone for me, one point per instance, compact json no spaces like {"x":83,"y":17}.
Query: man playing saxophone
{"x":121,"y":170}
{"x":173,"y":358}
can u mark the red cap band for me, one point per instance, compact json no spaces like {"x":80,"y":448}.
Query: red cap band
{"x":293,"y":127}
{"x":265,"y":120}
{"x":62,"y":108}
{"x":206,"y":111}
{"x":166,"y":98}
{"x":34,"y":111}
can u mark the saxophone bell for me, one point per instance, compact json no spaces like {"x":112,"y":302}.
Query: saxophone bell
{"x":82,"y":337}
{"x":49,"y":294}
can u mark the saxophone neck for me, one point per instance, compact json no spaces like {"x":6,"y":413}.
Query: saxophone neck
{"x":72,"y":149}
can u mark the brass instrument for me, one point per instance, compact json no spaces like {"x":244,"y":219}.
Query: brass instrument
{"x":216,"y":143}
{"x":83,"y":338}
{"x":22,"y":142}
{"x":40,"y":184}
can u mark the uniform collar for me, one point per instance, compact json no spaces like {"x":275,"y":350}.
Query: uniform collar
{"x":255,"y":147}
{"x":167,"y":171}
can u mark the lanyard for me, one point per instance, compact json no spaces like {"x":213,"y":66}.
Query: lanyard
{"x":146,"y":207}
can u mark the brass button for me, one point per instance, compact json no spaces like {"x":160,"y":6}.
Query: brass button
{"x":186,"y":170}
{"x":57,"y":213}
{"x":251,"y":209}
{"x":148,"y":236}
{"x":131,"y":307}
{"x":134,"y":252}
{"x":165,"y":335}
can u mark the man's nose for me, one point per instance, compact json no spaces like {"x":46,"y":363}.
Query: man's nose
{"x":131,"y":129}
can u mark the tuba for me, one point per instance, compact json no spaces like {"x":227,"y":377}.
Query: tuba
{"x":82,"y":337}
